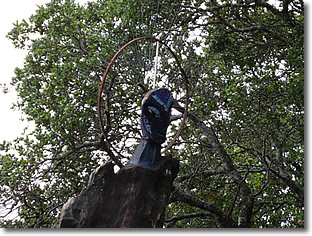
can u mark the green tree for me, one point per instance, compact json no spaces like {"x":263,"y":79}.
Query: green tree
{"x":242,"y":150}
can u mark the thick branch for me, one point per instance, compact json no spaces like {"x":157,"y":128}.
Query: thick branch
{"x":203,"y":173}
{"x":223,"y":220}
{"x":187,"y":216}
{"x":285,"y":176}
{"x":246,"y":195}
{"x":284,"y":13}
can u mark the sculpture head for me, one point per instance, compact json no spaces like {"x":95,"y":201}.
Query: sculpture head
{"x":155,"y":118}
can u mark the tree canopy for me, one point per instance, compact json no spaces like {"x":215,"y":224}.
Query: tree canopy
{"x":241,"y":151}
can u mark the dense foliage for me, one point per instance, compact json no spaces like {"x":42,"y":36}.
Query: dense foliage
{"x":242,"y":150}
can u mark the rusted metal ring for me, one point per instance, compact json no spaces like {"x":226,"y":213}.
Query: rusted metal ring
{"x":103,"y":83}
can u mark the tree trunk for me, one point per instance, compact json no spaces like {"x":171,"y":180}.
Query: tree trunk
{"x":134,"y":197}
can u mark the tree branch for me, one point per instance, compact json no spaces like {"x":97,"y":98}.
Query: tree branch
{"x":247,"y":198}
{"x":285,"y":176}
{"x":187,"y":216}
{"x":283,"y":14}
{"x":223,"y":220}
{"x":203,"y":173}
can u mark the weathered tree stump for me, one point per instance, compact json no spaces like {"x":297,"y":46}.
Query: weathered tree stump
{"x":134,"y":197}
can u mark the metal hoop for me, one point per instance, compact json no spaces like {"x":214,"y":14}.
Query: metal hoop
{"x":104,"y":78}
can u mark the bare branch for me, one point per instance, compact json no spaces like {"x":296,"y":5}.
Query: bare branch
{"x":203,"y":173}
{"x":223,"y":220}
{"x":230,"y":170}
{"x":187,"y":216}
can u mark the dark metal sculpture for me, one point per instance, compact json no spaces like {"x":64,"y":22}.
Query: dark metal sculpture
{"x":108,"y":143}
{"x":155,"y":118}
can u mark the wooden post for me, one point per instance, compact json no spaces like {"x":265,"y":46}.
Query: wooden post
{"x":134,"y":197}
